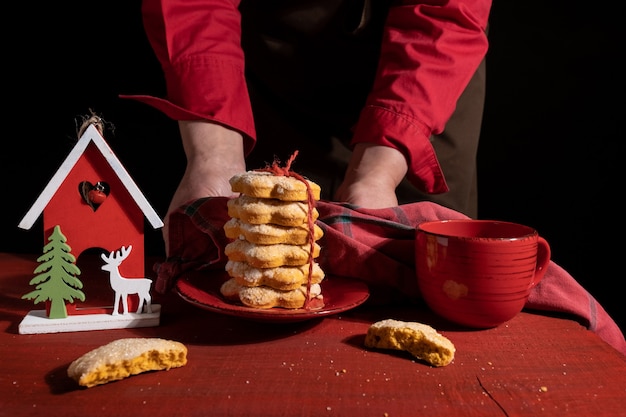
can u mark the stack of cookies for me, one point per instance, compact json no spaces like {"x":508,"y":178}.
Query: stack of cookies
{"x":271,"y":258}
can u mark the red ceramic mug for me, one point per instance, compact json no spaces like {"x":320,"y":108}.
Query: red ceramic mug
{"x":478,"y":273}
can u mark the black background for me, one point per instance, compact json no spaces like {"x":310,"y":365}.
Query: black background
{"x":548,"y":158}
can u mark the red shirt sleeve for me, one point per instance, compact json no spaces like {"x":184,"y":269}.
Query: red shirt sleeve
{"x":429,"y":53}
{"x":198,"y":44}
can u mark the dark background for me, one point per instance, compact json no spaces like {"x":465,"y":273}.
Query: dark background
{"x":548,"y":158}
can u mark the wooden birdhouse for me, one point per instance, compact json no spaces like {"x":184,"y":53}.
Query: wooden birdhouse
{"x":96,"y":203}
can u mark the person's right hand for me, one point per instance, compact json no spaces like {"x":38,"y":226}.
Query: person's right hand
{"x":214,"y":154}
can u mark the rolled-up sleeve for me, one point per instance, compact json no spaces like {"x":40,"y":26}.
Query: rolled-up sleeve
{"x":198,"y":44}
{"x":429,"y":53}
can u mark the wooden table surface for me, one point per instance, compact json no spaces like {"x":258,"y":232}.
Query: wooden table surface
{"x":534,"y":365}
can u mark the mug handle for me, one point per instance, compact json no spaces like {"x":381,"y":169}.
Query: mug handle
{"x":543,"y":260}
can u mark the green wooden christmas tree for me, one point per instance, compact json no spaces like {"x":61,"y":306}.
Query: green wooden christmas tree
{"x":56,"y":277}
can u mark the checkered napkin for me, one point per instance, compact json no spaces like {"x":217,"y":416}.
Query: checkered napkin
{"x":372,"y":245}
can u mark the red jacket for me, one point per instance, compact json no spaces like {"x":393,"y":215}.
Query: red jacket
{"x":429,"y":52}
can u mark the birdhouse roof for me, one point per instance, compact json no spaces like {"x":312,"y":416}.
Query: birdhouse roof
{"x":91,"y":135}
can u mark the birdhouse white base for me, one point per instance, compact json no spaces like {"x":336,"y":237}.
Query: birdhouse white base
{"x":36,"y":321}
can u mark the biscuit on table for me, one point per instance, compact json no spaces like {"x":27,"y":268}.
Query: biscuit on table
{"x":264,"y":297}
{"x":281,"y":278}
{"x":256,"y":210}
{"x":265,"y":184}
{"x":269,"y":234}
{"x":270,"y":256}
{"x":420,"y":340}
{"x":126,"y":357}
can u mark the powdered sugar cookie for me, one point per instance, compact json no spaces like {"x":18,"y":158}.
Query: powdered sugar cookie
{"x":264,"y":184}
{"x":270,"y":256}
{"x":255,"y":210}
{"x":269,"y":234}
{"x":282,"y":278}
{"x":420,"y":340}
{"x":264,"y":297}
{"x":126,"y":357}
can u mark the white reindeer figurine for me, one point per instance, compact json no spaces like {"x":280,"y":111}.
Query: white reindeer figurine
{"x":125,"y":286}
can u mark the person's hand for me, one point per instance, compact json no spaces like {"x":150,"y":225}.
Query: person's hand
{"x":372,"y":176}
{"x":214,"y":154}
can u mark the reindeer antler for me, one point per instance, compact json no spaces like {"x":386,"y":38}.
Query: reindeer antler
{"x":119,"y":256}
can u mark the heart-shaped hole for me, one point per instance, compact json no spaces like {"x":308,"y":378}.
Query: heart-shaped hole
{"x":94,"y":194}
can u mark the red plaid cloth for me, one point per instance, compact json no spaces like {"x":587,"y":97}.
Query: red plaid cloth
{"x":372,"y":245}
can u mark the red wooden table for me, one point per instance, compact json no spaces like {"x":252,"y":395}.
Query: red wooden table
{"x":531,"y":366}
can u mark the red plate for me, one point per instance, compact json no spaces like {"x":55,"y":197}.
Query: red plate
{"x":203,"y":290}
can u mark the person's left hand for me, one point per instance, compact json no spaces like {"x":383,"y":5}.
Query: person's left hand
{"x":372,"y":176}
